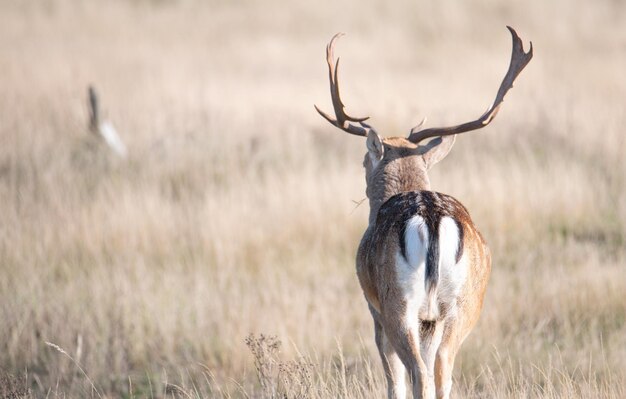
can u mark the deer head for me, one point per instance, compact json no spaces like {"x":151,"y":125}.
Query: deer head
{"x":398,"y":164}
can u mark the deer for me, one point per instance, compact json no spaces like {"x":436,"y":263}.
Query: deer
{"x":103,"y":129}
{"x":422,"y":264}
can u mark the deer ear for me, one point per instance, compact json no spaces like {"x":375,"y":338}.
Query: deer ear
{"x":375,"y":147}
{"x":437,"y":149}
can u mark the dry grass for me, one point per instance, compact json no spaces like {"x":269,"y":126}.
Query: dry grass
{"x":233,"y":214}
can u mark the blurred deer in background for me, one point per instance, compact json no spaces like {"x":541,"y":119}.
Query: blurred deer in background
{"x":104,"y":129}
{"x":422,"y":263}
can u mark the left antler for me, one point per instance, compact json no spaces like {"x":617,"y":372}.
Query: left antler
{"x":343,"y":120}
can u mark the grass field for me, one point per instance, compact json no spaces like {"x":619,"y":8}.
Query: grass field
{"x":217,"y":260}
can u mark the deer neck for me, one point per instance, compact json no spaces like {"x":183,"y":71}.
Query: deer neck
{"x":396,"y":177}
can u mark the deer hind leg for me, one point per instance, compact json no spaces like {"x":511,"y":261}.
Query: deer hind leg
{"x":394,"y":369}
{"x":405,"y":339}
{"x":431,"y":334}
{"x":444,"y":363}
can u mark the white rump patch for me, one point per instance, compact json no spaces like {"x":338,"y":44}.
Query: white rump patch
{"x":411,"y":271}
{"x":416,"y":237}
{"x":448,"y":241}
{"x":452,"y":275}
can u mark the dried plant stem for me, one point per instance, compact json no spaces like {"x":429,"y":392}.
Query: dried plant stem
{"x":62,"y":351}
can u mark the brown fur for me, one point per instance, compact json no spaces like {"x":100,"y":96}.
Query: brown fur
{"x":398,"y":190}
{"x":403,"y":169}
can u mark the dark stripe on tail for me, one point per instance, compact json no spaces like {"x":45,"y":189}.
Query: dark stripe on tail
{"x":432,"y":261}
{"x":432,"y":220}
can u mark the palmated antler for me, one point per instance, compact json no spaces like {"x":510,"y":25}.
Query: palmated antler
{"x":343,"y":120}
{"x":519,"y":59}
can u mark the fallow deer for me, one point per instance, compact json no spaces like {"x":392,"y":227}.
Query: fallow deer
{"x":422,"y":263}
{"x":104,"y":129}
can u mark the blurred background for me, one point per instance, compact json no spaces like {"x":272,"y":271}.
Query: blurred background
{"x":216,"y":259}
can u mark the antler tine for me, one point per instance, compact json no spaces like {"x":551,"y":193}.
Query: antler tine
{"x":343,"y":120}
{"x":519,"y":60}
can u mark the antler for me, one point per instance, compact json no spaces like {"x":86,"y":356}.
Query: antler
{"x":519,"y":59}
{"x":343,"y":120}
{"x":94,"y":110}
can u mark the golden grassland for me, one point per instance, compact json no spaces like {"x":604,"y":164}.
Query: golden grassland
{"x":218,"y":259}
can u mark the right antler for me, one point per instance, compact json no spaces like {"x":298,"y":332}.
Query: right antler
{"x":343,"y":120}
{"x":519,"y":59}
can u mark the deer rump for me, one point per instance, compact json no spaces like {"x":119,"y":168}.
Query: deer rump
{"x":428,"y":266}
